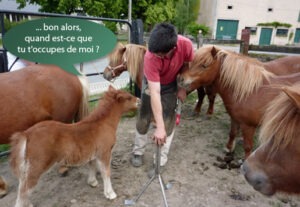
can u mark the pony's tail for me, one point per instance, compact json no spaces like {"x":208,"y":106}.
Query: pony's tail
{"x":84,"y":105}
{"x":18,"y":154}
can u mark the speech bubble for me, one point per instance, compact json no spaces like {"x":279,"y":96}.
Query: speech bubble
{"x":60,"y":41}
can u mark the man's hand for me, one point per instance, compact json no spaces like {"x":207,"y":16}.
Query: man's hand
{"x":181,"y":94}
{"x":159,"y":136}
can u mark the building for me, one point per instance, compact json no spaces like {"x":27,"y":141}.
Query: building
{"x":12,"y":5}
{"x":271,"y":22}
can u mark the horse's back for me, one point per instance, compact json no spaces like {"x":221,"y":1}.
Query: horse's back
{"x":284,"y":65}
{"x":36,"y":93}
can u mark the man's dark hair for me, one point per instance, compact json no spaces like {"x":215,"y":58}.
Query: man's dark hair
{"x":163,"y":38}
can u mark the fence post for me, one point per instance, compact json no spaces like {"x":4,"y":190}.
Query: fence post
{"x":245,"y":38}
{"x":3,"y":54}
{"x":137,"y":37}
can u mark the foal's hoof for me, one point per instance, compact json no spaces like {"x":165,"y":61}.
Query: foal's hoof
{"x":3,"y":187}
{"x":110,"y":195}
{"x":63,"y":171}
{"x":93,"y":183}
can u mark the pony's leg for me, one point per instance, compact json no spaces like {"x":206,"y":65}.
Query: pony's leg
{"x":104,"y":167}
{"x":248,"y":136}
{"x":211,"y":98}
{"x":234,"y":126}
{"x":92,"y":180}
{"x":201,"y":95}
{"x":3,"y":187}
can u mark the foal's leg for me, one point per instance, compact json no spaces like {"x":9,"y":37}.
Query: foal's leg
{"x":234,"y":126}
{"x":27,"y":181}
{"x":92,"y":180}
{"x":104,"y":167}
{"x":248,"y":136}
{"x":201,"y":95}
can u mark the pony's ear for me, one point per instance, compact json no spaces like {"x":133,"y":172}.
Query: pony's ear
{"x":293,"y":94}
{"x":111,"y":88}
{"x":214,"y":51}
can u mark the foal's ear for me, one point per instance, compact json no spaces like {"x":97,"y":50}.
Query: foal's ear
{"x":111,"y":88}
{"x":293,"y":94}
{"x":214,"y":51}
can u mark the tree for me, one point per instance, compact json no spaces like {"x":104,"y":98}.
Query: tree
{"x":160,"y":12}
{"x":186,"y":12}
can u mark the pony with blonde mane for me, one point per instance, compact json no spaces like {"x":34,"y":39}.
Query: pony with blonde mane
{"x":131,"y":58}
{"x":37,"y":93}
{"x":274,"y":165}
{"x":241,"y":82}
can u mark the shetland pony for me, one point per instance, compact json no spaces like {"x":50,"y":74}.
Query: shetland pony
{"x":36,"y":93}
{"x":131,"y":58}
{"x":274,"y":165}
{"x":88,"y":141}
{"x":241,"y":82}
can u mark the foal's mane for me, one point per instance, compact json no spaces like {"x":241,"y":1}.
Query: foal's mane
{"x":241,"y":73}
{"x":134,"y":55}
{"x":280,"y":122}
{"x":104,"y":106}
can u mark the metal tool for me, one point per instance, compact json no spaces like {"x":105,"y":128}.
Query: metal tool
{"x":156,"y":175}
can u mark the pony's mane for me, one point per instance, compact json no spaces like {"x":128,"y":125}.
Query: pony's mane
{"x":134,"y":55}
{"x":116,"y":56}
{"x":280,"y":122}
{"x":242,"y":74}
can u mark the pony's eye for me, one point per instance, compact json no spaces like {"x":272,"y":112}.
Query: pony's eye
{"x":204,"y":66}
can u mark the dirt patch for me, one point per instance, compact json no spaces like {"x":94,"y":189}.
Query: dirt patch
{"x":193,"y":170}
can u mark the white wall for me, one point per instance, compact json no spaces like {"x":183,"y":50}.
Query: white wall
{"x":249,"y":13}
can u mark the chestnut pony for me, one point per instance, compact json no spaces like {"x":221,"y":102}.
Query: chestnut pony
{"x":131,"y":58}
{"x":36,"y":93}
{"x":89,"y":141}
{"x":274,"y":165}
{"x":241,"y":82}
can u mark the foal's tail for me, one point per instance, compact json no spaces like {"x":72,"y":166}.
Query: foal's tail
{"x":18,"y":154}
{"x":84,"y":105}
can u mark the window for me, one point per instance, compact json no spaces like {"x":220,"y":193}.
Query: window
{"x":229,"y":7}
{"x":282,"y":32}
{"x":270,"y":9}
{"x":252,"y":30}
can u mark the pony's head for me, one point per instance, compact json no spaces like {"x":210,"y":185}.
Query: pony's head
{"x":129,"y":57}
{"x":203,"y":70}
{"x":117,"y":63}
{"x":274,"y":165}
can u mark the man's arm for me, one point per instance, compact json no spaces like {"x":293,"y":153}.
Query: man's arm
{"x":160,"y":134}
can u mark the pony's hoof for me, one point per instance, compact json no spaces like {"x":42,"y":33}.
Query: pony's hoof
{"x":110,"y":195}
{"x":93,"y":183}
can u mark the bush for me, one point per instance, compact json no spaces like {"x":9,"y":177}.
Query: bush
{"x":193,"y":29}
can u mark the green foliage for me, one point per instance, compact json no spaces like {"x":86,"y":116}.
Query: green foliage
{"x":186,"y":12}
{"x":160,"y":12}
{"x":4,"y":147}
{"x":193,"y":29}
{"x":275,"y":24}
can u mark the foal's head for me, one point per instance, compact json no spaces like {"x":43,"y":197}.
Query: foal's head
{"x":275,"y":165}
{"x":125,"y":101}
{"x":203,"y":70}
